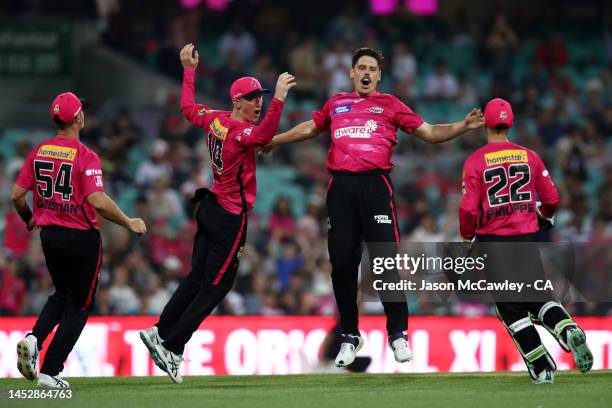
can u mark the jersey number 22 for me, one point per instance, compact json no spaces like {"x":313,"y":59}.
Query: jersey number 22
{"x":499,"y":177}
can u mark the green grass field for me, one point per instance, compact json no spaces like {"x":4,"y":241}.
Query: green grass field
{"x":571,"y":389}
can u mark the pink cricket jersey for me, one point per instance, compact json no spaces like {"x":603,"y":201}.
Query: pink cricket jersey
{"x":232,"y":146}
{"x":501,"y":183}
{"x":363,"y":130}
{"x":62,"y":173}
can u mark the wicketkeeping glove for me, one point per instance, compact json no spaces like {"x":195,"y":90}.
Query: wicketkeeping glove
{"x":545,"y":223}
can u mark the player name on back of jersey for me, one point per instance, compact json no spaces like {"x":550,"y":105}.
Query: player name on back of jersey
{"x":57,"y":207}
{"x":510,"y":209}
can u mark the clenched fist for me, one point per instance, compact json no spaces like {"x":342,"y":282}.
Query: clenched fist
{"x":138,"y":226}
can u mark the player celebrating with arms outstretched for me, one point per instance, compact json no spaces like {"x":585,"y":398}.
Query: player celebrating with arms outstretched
{"x":68,"y":187}
{"x":500,"y":183}
{"x":360,"y":198}
{"x":221,"y":213}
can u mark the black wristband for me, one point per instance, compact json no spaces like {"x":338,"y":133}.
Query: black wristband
{"x":26,"y":216}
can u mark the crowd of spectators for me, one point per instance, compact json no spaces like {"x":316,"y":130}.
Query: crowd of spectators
{"x":562,"y":106}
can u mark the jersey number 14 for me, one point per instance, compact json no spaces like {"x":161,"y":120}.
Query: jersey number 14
{"x":215,"y":149}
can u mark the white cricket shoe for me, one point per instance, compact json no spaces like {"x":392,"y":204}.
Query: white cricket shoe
{"x":170,"y":362}
{"x":545,"y":377}
{"x":150,"y":338}
{"x":52,"y":381}
{"x":27,"y":357}
{"x":348,"y":349}
{"x":401,"y":349}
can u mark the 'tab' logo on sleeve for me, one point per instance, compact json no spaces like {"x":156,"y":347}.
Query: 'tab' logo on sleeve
{"x":91,"y":172}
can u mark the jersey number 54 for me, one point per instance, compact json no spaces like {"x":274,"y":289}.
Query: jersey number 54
{"x":48,"y":183}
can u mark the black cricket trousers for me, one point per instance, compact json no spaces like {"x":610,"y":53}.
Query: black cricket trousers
{"x":217,"y":248}
{"x":361,"y":208}
{"x":73,"y":258}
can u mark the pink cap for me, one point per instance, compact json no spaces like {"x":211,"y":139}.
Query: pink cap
{"x":498,"y":111}
{"x":244,"y":86}
{"x":67,"y":106}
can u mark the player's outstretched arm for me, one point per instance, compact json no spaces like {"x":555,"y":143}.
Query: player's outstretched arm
{"x":263,"y":133}
{"x":192,"y":111}
{"x":18,"y":196}
{"x":303,"y":131}
{"x":442,"y":133}
{"x":109,"y":210}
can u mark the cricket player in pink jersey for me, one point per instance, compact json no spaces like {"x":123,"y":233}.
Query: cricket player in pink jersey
{"x":501,"y":183}
{"x":68,"y":189}
{"x":360,"y":200}
{"x":221,"y":213}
